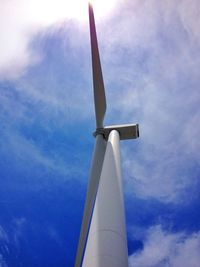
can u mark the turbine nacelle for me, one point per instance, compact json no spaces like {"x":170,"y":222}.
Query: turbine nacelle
{"x":126,"y":131}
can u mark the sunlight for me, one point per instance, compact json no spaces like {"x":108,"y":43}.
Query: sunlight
{"x":48,"y":12}
{"x":103,"y":7}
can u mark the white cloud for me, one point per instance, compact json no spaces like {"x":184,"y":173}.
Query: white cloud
{"x":153,"y":51}
{"x":20,"y":21}
{"x":152,"y":48}
{"x":16,"y":28}
{"x":164,"y":249}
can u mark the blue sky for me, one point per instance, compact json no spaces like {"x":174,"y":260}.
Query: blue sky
{"x":150,"y":59}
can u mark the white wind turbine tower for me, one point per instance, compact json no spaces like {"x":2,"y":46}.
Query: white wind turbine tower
{"x":103,"y":241}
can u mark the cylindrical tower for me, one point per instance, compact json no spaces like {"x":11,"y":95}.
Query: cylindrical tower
{"x":107,"y":242}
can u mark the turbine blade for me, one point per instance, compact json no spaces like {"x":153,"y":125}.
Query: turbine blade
{"x":95,"y":173}
{"x":98,"y":84}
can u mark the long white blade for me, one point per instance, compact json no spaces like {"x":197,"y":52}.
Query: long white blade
{"x":97,"y":162}
{"x":98,"y":84}
{"x":107,"y":243}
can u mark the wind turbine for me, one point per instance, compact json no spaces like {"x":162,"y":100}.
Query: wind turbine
{"x":103,"y":241}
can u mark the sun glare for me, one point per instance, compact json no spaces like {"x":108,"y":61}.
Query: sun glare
{"x":51,"y":11}
{"x":103,"y":7}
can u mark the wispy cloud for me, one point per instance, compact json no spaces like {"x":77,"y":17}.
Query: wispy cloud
{"x":18,"y":225}
{"x":20,"y":22}
{"x":16,"y":32}
{"x":4,"y":240}
{"x":162,"y":249}
{"x":150,"y":58}
{"x":3,"y":234}
{"x":158,"y":43}
{"x":2,"y":262}
{"x":152,"y":48}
